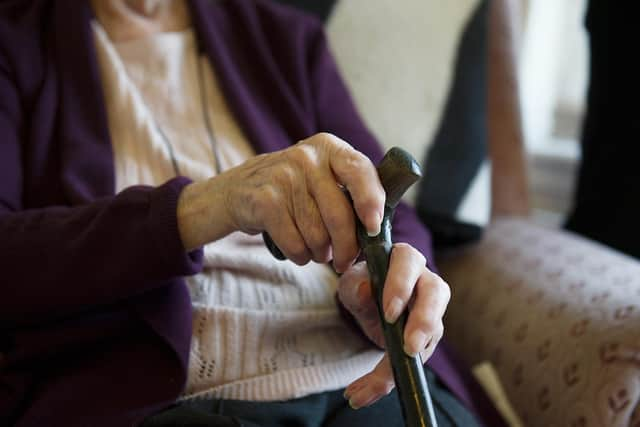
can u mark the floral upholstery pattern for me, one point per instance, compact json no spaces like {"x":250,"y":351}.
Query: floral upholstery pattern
{"x":557,"y":315}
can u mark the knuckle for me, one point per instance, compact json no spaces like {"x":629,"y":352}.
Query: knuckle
{"x":320,"y":251}
{"x":433,"y":280}
{"x":320,"y":258}
{"x":356,"y":162}
{"x":298,"y":253}
{"x":287,"y":174}
{"x":275,"y":181}
{"x":325,"y":137}
{"x":446,"y":290}
{"x":402,"y":249}
{"x":429,"y":324}
{"x":299,"y":259}
{"x":437,"y":284}
{"x":382,"y":387}
{"x":265,"y":200}
{"x":302,"y":153}
{"x":325,"y":140}
{"x":406,"y":250}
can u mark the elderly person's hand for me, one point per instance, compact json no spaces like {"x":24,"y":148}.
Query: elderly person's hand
{"x":296,"y":196}
{"x":409,"y":283}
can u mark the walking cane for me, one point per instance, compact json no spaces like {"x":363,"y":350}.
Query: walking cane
{"x":397,"y":172}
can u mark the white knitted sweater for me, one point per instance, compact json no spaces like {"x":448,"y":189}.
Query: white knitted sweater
{"x":262,"y":329}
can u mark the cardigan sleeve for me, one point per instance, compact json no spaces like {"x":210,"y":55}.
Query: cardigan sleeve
{"x":336,"y":113}
{"x":59,"y":260}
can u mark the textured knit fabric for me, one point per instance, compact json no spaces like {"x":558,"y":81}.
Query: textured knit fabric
{"x":262,"y":329}
{"x":92,"y":280}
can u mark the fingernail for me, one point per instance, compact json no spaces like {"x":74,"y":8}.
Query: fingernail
{"x":415,"y":343}
{"x":360,"y":400}
{"x":335,"y":267}
{"x":353,"y":405}
{"x":373,"y":232}
{"x":393,"y":310}
{"x":352,"y":389}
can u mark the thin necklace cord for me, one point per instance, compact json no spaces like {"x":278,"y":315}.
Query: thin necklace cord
{"x":204,"y":108}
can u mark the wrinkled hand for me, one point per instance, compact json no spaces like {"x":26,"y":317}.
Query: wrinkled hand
{"x":296,"y":196}
{"x":409,"y":284}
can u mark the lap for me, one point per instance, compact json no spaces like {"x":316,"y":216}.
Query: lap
{"x":328,"y":409}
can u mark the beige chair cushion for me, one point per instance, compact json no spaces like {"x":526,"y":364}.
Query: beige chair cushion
{"x":559,"y":318}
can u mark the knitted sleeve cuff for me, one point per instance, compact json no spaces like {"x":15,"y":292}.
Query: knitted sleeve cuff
{"x":164,"y":228}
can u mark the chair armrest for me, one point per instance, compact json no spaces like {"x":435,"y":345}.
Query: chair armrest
{"x":559,"y":318}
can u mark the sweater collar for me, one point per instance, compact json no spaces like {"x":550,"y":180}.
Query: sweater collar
{"x":86,"y":151}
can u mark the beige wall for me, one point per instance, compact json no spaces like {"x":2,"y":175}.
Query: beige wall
{"x":397,"y":58}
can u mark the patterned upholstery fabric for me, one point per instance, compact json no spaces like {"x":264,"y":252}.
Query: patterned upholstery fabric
{"x":559,"y":318}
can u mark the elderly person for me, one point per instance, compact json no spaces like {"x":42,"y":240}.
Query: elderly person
{"x":136,"y":288}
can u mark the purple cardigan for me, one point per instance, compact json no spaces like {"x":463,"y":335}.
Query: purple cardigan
{"x":95,"y":319}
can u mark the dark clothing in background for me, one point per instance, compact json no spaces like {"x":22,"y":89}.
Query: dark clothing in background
{"x":607,"y":201}
{"x":459,"y":146}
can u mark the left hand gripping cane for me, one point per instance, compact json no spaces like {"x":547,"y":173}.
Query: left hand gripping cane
{"x":397,"y":172}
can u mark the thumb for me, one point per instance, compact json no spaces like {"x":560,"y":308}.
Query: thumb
{"x":353,"y":287}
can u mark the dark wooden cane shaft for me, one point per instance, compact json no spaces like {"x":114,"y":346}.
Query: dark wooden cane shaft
{"x":408,"y":371}
{"x":397,"y":172}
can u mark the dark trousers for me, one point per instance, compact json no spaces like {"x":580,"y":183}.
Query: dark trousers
{"x":328,"y":409}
